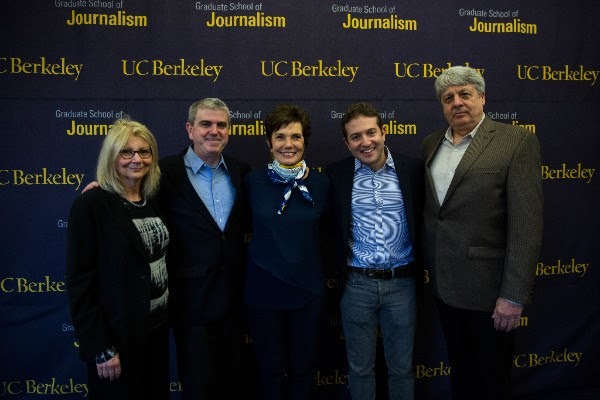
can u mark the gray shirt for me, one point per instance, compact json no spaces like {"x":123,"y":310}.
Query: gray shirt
{"x":447,"y":159}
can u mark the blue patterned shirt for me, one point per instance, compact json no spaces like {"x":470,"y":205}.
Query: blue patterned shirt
{"x":212,"y":185}
{"x":380,"y":232}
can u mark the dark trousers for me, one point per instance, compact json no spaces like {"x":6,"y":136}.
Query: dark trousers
{"x":480,"y":356}
{"x":144,"y":370}
{"x":208,"y":360}
{"x":285,"y":342}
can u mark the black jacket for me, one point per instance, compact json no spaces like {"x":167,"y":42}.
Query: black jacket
{"x":205,"y":265}
{"x":108,"y":275}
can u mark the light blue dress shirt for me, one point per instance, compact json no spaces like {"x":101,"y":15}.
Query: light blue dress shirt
{"x":213,"y":185}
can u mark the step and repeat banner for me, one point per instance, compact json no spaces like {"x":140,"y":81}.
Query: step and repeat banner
{"x":69,"y":68}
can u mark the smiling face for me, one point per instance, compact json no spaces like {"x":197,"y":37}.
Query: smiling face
{"x":133,"y":170}
{"x":463,"y":108}
{"x":287,"y":144}
{"x":366,"y":141}
{"x":209,"y":133}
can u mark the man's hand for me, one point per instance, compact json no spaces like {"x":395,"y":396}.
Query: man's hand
{"x":91,"y":185}
{"x":506,"y":315}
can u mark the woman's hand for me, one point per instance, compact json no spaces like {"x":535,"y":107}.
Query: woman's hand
{"x":110,"y":369}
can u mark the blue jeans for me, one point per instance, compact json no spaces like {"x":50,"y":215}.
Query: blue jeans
{"x":366,"y":304}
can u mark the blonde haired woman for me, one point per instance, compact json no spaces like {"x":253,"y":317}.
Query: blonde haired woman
{"x":116,"y":270}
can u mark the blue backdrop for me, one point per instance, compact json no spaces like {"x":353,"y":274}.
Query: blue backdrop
{"x":69,"y":68}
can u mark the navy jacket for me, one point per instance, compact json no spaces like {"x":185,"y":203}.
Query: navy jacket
{"x":205,"y":264}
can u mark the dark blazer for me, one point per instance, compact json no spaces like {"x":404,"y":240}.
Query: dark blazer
{"x":410,"y":176}
{"x":108,"y":275}
{"x":205,"y":264}
{"x":483,"y":241}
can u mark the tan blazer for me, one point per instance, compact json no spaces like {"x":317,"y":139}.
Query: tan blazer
{"x":483,"y":241}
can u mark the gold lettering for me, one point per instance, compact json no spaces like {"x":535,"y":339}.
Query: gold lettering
{"x":274,"y":70}
{"x":389,"y":23}
{"x":181,"y":68}
{"x":3,"y":183}
{"x":565,"y":73}
{"x":258,"y":20}
{"x":55,"y":388}
{"x":43,"y":67}
{"x":88,"y":130}
{"x":395,"y":128}
{"x":257,"y":128}
{"x":421,"y":371}
{"x":119,"y":19}
{"x":45,"y":286}
{"x":561,"y":268}
{"x":20,"y":177}
{"x":514,"y":26}
{"x":3,"y":287}
{"x":407,"y":70}
{"x":335,"y":379}
{"x":529,"y":127}
{"x":553,"y":357}
{"x":426,"y":277}
{"x":585,"y":174}
{"x":10,"y":389}
{"x":430,"y":71}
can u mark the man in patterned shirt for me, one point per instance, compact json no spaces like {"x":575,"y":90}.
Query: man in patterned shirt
{"x":376,"y":210}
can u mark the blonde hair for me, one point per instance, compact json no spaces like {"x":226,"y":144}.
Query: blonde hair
{"x":106,"y":171}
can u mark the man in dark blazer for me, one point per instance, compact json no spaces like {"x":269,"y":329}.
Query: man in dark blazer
{"x":201,"y":197}
{"x":376,"y":209}
{"x":483,"y":229}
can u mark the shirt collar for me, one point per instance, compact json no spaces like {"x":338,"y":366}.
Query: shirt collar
{"x":448,"y":134}
{"x":196,"y":163}
{"x":389,"y":161}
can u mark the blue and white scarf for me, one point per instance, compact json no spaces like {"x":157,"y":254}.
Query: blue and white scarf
{"x":292,"y":178}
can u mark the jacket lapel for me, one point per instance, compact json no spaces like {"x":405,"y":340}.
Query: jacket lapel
{"x":346,"y":183}
{"x":428,"y":159}
{"x":484,"y":135}
{"x":406,"y":191}
{"x":235,"y":174}
{"x":187,"y":190}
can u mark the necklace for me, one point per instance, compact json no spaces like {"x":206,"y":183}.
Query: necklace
{"x":139,"y":204}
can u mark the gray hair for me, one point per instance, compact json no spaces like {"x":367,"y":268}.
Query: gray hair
{"x":459,"y":76}
{"x":209,"y":103}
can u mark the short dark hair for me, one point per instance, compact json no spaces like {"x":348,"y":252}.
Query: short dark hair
{"x":360,"y":109}
{"x":285,"y":114}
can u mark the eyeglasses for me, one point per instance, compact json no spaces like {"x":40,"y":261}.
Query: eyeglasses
{"x":128,"y":154}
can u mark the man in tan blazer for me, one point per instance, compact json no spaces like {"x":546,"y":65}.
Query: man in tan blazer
{"x":483,"y":230}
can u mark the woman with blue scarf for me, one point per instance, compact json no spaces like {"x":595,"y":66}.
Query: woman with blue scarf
{"x":285,"y":286}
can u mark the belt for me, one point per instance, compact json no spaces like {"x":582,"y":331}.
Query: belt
{"x":402,"y":271}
